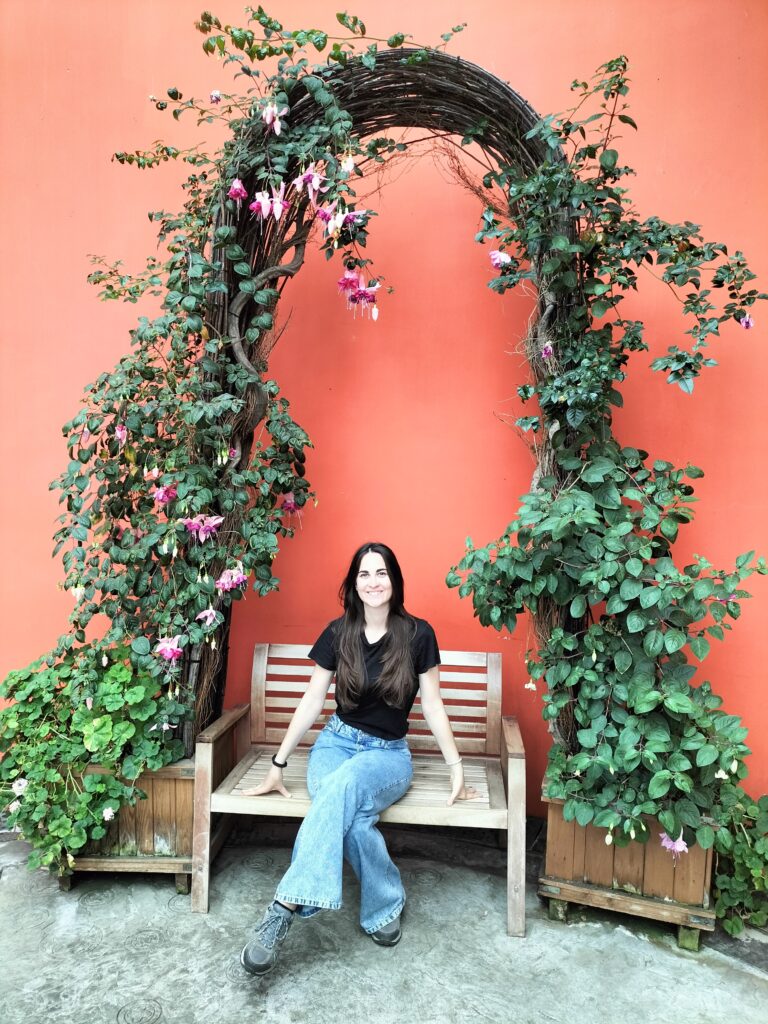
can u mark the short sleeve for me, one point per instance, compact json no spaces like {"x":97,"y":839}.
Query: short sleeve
{"x":426,"y":653}
{"x":323,"y":652}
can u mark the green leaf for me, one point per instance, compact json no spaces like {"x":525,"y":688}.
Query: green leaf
{"x":674,"y":640}
{"x":584,"y":813}
{"x":700,"y":647}
{"x":649,"y":597}
{"x":608,"y":159}
{"x":653,"y":643}
{"x":659,"y":784}
{"x":578,"y":606}
{"x":706,"y":755}
{"x":705,"y":836}
{"x":140,"y":645}
{"x":630,"y":589}
{"x":679,"y":703}
{"x":622,"y":660}
{"x":635,"y":622}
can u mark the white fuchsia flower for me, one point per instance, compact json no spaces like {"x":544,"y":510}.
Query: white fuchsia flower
{"x":13,"y":807}
{"x":675,"y":846}
{"x":152,"y":474}
{"x":19,"y":785}
{"x":547,"y":351}
{"x":279,"y":204}
{"x":208,"y":616}
{"x":348,"y":164}
{"x":108,"y":813}
{"x":165,"y":494}
{"x":121,"y":433}
{"x":271,"y":116}
{"x":720,"y":774}
{"x":747,"y":322}
{"x":215,"y":96}
{"x":312,"y":180}
{"x":530,"y":685}
{"x":261,"y":205}
{"x":499,"y":259}
{"x":202,"y":526}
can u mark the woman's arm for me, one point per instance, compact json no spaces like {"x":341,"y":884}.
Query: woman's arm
{"x":306,"y":714}
{"x":437,"y":719}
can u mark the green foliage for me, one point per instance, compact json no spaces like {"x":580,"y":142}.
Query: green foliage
{"x":590,"y":553}
{"x":67,"y":714}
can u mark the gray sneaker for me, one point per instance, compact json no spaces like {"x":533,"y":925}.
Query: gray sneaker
{"x":259,"y":955}
{"x":389,"y":935}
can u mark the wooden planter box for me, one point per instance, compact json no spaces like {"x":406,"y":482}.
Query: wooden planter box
{"x":155,"y":835}
{"x":640,"y":879}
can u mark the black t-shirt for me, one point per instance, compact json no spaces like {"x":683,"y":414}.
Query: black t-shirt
{"x":373,"y":715}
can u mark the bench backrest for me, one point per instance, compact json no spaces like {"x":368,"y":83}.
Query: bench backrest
{"x":470,"y":685}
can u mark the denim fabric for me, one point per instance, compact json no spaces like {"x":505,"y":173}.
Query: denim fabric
{"x":351,"y":776}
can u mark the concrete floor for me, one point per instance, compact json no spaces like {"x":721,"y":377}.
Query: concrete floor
{"x":125,"y":949}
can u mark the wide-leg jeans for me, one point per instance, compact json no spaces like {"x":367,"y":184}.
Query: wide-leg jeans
{"x":351,"y":777}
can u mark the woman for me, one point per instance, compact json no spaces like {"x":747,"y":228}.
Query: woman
{"x":360,"y":762}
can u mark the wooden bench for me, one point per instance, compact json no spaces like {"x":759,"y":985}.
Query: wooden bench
{"x":234,"y":754}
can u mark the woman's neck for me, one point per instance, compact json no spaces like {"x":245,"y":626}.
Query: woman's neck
{"x":376,"y":622}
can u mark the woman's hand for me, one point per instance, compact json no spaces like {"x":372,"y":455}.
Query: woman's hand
{"x":458,"y":790}
{"x":273,"y":783}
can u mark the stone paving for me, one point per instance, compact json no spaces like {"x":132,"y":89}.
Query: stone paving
{"x":125,"y":949}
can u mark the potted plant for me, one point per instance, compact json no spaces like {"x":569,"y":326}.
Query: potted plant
{"x":642,"y":752}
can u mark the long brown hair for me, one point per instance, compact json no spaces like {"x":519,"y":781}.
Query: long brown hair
{"x":397,"y":672}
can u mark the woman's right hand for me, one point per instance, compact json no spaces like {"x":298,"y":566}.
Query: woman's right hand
{"x":273,"y":783}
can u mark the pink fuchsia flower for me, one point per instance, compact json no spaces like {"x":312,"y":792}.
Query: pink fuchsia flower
{"x":165,"y":494}
{"x":121,"y":433}
{"x":499,"y":259}
{"x":270,"y":115}
{"x":747,"y":322}
{"x":168,"y":648}
{"x":325,"y":213}
{"x":363,"y":297}
{"x":349,"y":282}
{"x":279,"y":205}
{"x":261,"y":205}
{"x":208,"y":617}
{"x":237,"y":190}
{"x":354,"y":216}
{"x":230,"y":579}
{"x":19,"y":785}
{"x":85,"y":436}
{"x":547,"y":351}
{"x":232,"y":453}
{"x":289,"y":503}
{"x":675,"y":846}
{"x":108,"y":813}
{"x":312,"y":180}
{"x":215,"y":96}
{"x":202,"y":526}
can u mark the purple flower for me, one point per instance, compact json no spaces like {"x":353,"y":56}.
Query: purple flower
{"x":237,"y":190}
{"x":499,"y":259}
{"x":547,"y":351}
{"x":231,"y":578}
{"x":202,"y":526}
{"x":168,"y":648}
{"x":289,"y":503}
{"x":747,"y":322}
{"x":675,"y":846}
{"x":215,"y":96}
{"x":121,"y":433}
{"x":208,"y":616}
{"x":270,"y":115}
{"x":325,"y":213}
{"x":165,"y":494}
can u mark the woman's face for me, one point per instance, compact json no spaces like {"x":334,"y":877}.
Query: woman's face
{"x":374,"y":587}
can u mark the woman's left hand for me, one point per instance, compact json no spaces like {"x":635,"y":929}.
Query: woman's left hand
{"x":458,"y":790}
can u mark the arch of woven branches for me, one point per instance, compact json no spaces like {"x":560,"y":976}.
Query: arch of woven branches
{"x":444,"y":95}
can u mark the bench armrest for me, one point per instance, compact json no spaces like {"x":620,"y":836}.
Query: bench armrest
{"x":222,"y":725}
{"x":512,"y":740}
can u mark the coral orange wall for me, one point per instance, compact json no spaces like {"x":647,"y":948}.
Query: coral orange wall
{"x":408,"y":415}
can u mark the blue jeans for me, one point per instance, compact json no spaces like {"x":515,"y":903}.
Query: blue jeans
{"x":351,"y":777}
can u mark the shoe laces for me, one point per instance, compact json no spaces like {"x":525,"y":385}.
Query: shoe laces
{"x":273,"y":929}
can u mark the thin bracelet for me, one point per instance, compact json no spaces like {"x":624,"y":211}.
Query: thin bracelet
{"x":452,"y":764}
{"x":277,"y":764}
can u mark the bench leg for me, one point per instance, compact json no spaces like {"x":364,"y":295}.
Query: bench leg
{"x":516,"y":846}
{"x":201,"y":840}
